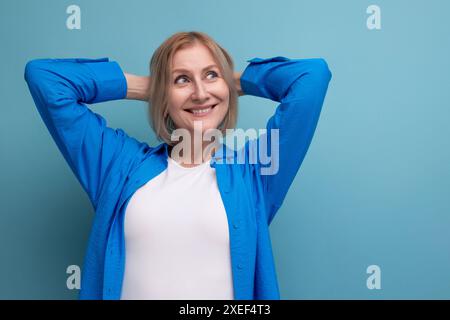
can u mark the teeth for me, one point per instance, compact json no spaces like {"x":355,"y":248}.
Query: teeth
{"x":200,"y":111}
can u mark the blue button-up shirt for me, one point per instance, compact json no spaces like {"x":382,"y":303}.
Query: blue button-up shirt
{"x":111,"y":165}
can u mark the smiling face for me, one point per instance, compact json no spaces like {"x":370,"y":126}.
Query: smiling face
{"x":197,"y":90}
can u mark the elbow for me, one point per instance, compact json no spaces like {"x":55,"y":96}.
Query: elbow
{"x":314,"y":73}
{"x":31,"y":68}
{"x":42,"y":85}
{"x":323,"y":70}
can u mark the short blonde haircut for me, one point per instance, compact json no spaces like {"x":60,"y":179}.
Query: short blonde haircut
{"x":160,"y":72}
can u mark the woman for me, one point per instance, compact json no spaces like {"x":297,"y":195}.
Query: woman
{"x":165,"y":228}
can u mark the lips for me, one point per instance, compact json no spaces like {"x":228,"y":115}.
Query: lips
{"x":201,"y":110}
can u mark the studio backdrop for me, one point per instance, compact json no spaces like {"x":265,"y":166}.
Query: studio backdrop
{"x":368,"y":214}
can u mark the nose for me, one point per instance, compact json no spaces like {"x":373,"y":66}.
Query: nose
{"x":200,"y":92}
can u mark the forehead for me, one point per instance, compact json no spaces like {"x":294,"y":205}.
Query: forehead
{"x":194,"y":57}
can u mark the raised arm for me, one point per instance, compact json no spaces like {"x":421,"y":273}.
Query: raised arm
{"x":60,"y":89}
{"x":237,"y":83}
{"x":300,"y":85}
{"x":138,"y":87}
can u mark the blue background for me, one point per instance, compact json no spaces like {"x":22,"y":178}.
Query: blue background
{"x":374,"y":188}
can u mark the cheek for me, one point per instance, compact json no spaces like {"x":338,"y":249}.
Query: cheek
{"x":173,"y":98}
{"x":176,"y":100}
{"x":222,"y":91}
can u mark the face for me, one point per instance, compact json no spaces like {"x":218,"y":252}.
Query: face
{"x":198,"y":91}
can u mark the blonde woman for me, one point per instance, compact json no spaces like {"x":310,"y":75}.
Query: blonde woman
{"x":190,"y":224}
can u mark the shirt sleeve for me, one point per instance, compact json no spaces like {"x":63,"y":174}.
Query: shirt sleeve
{"x":60,"y":89}
{"x":300,"y":86}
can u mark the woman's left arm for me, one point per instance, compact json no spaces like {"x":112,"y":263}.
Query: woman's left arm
{"x":237,"y":82}
{"x":300,"y":85}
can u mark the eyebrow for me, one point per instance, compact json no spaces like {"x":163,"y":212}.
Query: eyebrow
{"x":185,"y":70}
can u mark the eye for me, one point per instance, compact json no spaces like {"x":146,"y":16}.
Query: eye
{"x":177,"y":79}
{"x":213,"y":73}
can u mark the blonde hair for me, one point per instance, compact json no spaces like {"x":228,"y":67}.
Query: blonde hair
{"x":160,"y":68}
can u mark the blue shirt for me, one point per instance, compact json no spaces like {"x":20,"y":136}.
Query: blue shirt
{"x":111,"y":165}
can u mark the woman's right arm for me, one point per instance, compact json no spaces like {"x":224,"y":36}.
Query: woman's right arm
{"x":61,"y":88}
{"x":138,"y":87}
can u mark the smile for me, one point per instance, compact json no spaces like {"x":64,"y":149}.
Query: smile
{"x":201,"y":112}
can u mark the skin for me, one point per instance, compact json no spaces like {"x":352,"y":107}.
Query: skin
{"x":195,"y":81}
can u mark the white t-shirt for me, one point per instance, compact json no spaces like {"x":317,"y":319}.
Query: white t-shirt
{"x":176,"y":238}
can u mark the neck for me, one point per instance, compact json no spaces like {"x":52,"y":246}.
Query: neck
{"x":198,"y":154}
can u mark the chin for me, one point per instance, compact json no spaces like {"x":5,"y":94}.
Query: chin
{"x":204,"y":127}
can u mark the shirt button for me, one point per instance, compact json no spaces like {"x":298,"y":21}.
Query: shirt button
{"x":240,"y":266}
{"x":235,"y":225}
